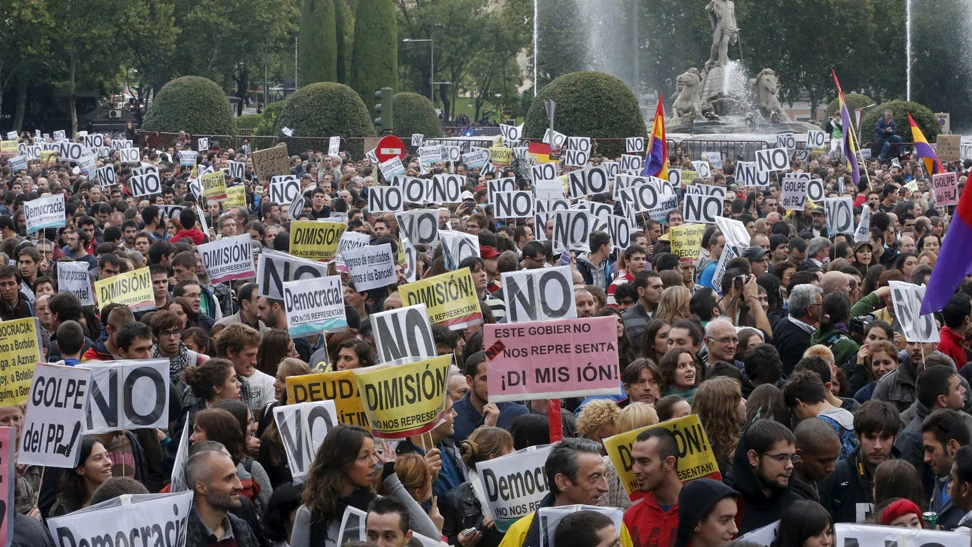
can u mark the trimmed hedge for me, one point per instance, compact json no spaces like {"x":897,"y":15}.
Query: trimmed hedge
{"x":854,"y":101}
{"x":193,"y":104}
{"x":589,"y":104}
{"x":317,"y":47}
{"x":248,"y":121}
{"x":374,"y":56}
{"x":415,"y":114}
{"x":923,"y":116}
{"x":324,"y":109}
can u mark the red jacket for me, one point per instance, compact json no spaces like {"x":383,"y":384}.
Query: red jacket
{"x":951,"y":345}
{"x":649,"y":525}
{"x":195,"y":235}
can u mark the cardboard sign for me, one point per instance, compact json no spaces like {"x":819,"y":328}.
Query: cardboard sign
{"x":514,"y":484}
{"x":404,"y":400}
{"x":475,"y":159}
{"x":392,"y":168}
{"x":417,"y":139}
{"x":340,"y":387}
{"x":149,"y":519}
{"x":450,"y":299}
{"x":228,"y":259}
{"x":302,"y":428}
{"x":646,"y":198}
{"x":620,"y":228}
{"x":203,"y":144}
{"x":772,"y":159}
{"x":493,"y":186}
{"x":420,"y":226}
{"x":314,"y":306}
{"x":106,"y":176}
{"x":55,"y":415}
{"x":631,"y":163}
{"x":946,"y":189}
{"x":131,"y":394}
{"x":315,"y":240}
{"x":146,"y":184}
{"x":702,"y":168}
{"x":511,"y":133}
{"x":46,"y":212}
{"x":18,"y":163}
{"x":786,"y":140}
{"x":545,"y":294}
{"x":816,"y":139}
{"x":403,"y":333}
{"x":385,"y":199}
{"x":695,"y":457}
{"x":458,"y":246}
{"x":235,"y":197}
{"x":702,"y":209}
{"x":572,"y":231}
{"x":840,"y":215}
{"x":543,"y":171}
{"x":816,"y":191}
{"x":132,"y":289}
{"x":906,"y":299}
{"x":271,"y":162}
{"x":747,"y":175}
{"x":948,"y":147}
{"x":274,"y":268}
{"x":408,"y":256}
{"x":513,"y":205}
{"x":714,"y":159}
{"x":187,"y":158}
{"x":793,"y":193}
{"x":237,"y":170}
{"x":552,"y":359}
{"x":73,"y":277}
{"x":500,"y":156}
{"x":444,"y":189}
{"x":19,"y":352}
{"x":687,"y":240}
{"x":371,"y":267}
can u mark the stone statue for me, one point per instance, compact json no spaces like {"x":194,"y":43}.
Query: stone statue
{"x":766,"y":86}
{"x":722,"y":15}
{"x":688,"y":102}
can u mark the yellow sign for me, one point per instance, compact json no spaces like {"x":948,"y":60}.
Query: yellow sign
{"x":339,"y":387}
{"x":132,"y":289}
{"x":214,"y":185}
{"x":687,"y":240}
{"x":48,"y":156}
{"x":235,"y":197}
{"x":450,"y":299}
{"x":315,"y":240}
{"x":404,"y":400}
{"x":500,"y":157}
{"x":688,"y":177}
{"x":8,"y":147}
{"x":19,"y":353}
{"x":695,"y":457}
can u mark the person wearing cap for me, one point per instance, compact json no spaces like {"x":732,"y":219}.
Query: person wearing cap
{"x":706,"y":514}
{"x":757,"y":259}
{"x":490,"y":255}
{"x":902,"y":513}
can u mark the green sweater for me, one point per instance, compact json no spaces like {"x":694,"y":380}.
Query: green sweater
{"x":843,"y":347}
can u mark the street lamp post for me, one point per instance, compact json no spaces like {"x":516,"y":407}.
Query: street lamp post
{"x":431,"y":63}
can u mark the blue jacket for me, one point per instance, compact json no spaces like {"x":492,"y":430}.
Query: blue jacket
{"x":468,"y":418}
{"x":880,"y":133}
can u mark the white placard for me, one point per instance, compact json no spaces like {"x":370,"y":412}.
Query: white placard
{"x":55,"y":415}
{"x":187,"y":158}
{"x":60,"y":135}
{"x":417,"y":139}
{"x":475,"y":158}
{"x":145,"y":185}
{"x":371,"y":267}
{"x":714,"y":159}
{"x":632,"y":164}
{"x":401,"y":333}
{"x":511,"y":133}
{"x":73,"y":277}
{"x":572,"y":231}
{"x":507,"y":184}
{"x":746,"y":175}
{"x":314,"y":306}
{"x":334,"y":146}
{"x":702,"y":208}
{"x":178,"y":477}
{"x":545,"y":294}
{"x":106,"y":176}
{"x":906,"y":299}
{"x":587,"y":182}
{"x":237,"y":170}
{"x":524,"y":468}
{"x":786,"y":140}
{"x":635,"y":145}
{"x":445,"y":188}
{"x":816,"y":139}
{"x":131,"y":394}
{"x":554,"y":138}
{"x":793,"y":192}
{"x":275,"y":267}
{"x":513,"y":205}
{"x":46,"y":212}
{"x":867,"y":535}
{"x":392,"y":168}
{"x":862,"y":233}
{"x":283,"y":189}
{"x":228,"y":259}
{"x":576,"y":158}
{"x":734,"y":231}
{"x":816,"y":191}
{"x":772,"y":159}
{"x":18,"y":163}
{"x":148,"y":519}
{"x":543,"y":171}
{"x":302,"y":428}
{"x":840,"y":215}
{"x":702,"y":168}
{"x":203,"y":144}
{"x":420,"y":226}
{"x":385,"y":199}
{"x":457,"y":246}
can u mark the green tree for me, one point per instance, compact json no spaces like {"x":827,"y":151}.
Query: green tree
{"x":149,"y":35}
{"x":25,"y":38}
{"x":323,"y":110}
{"x":415,"y":114}
{"x":374,"y":59}
{"x":193,"y":104}
{"x":343,"y":34}
{"x":317,"y":45}
{"x":941,"y":49}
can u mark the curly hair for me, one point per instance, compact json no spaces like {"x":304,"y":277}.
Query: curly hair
{"x":717,"y":405}
{"x":595,"y":415}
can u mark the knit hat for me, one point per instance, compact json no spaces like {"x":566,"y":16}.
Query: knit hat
{"x":695,"y":500}
{"x":899,"y":509}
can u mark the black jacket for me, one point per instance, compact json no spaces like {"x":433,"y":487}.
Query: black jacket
{"x":791,"y":341}
{"x":803,"y":487}
{"x":850,"y":485}
{"x":197,"y":532}
{"x":461,"y":510}
{"x":758,"y":510}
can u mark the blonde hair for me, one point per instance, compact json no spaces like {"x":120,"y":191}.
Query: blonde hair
{"x":596,"y":414}
{"x":823,"y":352}
{"x":672,"y":299}
{"x":635,"y":416}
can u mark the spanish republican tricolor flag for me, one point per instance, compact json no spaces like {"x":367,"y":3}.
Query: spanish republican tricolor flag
{"x":923,"y":149}
{"x":850,"y":147}
{"x":656,"y":157}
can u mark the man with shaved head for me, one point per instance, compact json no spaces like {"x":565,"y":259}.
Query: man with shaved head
{"x":835,"y":282}
{"x":818,"y":446}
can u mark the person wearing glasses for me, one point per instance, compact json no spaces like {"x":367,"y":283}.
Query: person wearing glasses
{"x":534,"y":256}
{"x":762,"y":467}
{"x":721,"y":342}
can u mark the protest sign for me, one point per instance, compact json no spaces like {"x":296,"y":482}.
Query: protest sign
{"x":493,"y":186}
{"x":702,"y":208}
{"x":631,"y":163}
{"x":131,"y":394}
{"x":816,"y":139}
{"x":420,"y":226}
{"x":589,"y":181}
{"x":315,"y":240}
{"x":73,"y":277}
{"x":132,"y":155}
{"x":765,"y":536}
{"x":620,"y":228}
{"x":863,"y":231}
{"x":840,"y":215}
{"x":551,"y":517}
{"x":734,"y":231}
{"x":543,"y":171}
{"x":429,"y":155}
{"x":302,"y":428}
{"x":445,"y":188}
{"x":746,"y":175}
{"x":46,"y":212}
{"x":19,"y":352}
{"x":946,"y":189}
{"x":8,"y":482}
{"x":314,"y":306}
{"x":235,"y":197}
{"x":948,"y":147}
{"x":514,"y":484}
{"x":552,"y":359}
{"x":772,"y":159}
{"x":476,"y":158}
{"x":237,"y":170}
{"x":511,"y":132}
{"x":647,"y":198}
{"x":548,"y":190}
{"x":513,"y":205}
{"x":728,"y":253}
{"x":271,"y":162}
{"x":187,"y":158}
{"x":815,"y":190}
{"x":385,"y":199}
{"x":351,"y":241}
{"x":793,"y":193}
{"x":18,"y":163}
{"x":30,"y":152}
{"x":695,"y":457}
{"x":55,"y":415}
{"x":178,"y":477}
{"x":106,"y":176}
{"x":572,"y":231}
{"x":132,"y":289}
{"x":401,"y":333}
{"x":334,"y":146}
{"x":702,"y":168}
{"x":687,"y":240}
{"x":852,"y":535}
{"x":146,"y":184}
{"x":284,"y":189}
{"x":714,"y":159}
{"x":214,"y":185}
{"x":500,"y":156}
{"x":392,"y":168}
{"x":275,"y":267}
{"x":450,"y":299}
{"x":414,"y":190}
{"x":906,"y":299}
{"x":457,"y":246}
{"x":786,"y":140}
{"x":404,"y":400}
{"x":146,"y":519}
{"x":546,"y":294}
{"x":408,"y":257}
{"x":371,"y":267}
{"x":340,"y":387}
{"x":228,"y":259}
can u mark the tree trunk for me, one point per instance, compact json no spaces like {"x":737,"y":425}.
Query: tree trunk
{"x":72,"y":89}
{"x":21,"y":106}
{"x":446,"y":102}
{"x":241,"y":88}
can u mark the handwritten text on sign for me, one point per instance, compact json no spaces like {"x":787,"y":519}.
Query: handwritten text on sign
{"x":552,"y":359}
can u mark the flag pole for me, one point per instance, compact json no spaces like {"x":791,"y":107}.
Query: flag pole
{"x":857,"y":152}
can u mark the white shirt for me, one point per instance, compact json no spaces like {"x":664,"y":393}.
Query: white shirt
{"x":261,"y":390}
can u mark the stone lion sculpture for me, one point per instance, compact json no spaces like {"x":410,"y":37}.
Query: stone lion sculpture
{"x":688,"y":103}
{"x":766,"y":85}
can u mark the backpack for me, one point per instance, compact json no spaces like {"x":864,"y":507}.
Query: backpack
{"x":251,"y":488}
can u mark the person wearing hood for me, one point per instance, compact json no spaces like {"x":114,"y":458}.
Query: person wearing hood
{"x":805,"y":395}
{"x":575,"y":475}
{"x":818,"y":447}
{"x":762,"y":468}
{"x":849,"y":492}
{"x":706,"y":514}
{"x":937,"y":388}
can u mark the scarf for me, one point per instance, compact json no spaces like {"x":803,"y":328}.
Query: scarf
{"x":176,"y":364}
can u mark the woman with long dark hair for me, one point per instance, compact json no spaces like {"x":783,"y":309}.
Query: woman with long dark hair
{"x":625,"y":350}
{"x":654,"y":343}
{"x":77,"y":485}
{"x":805,"y":524}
